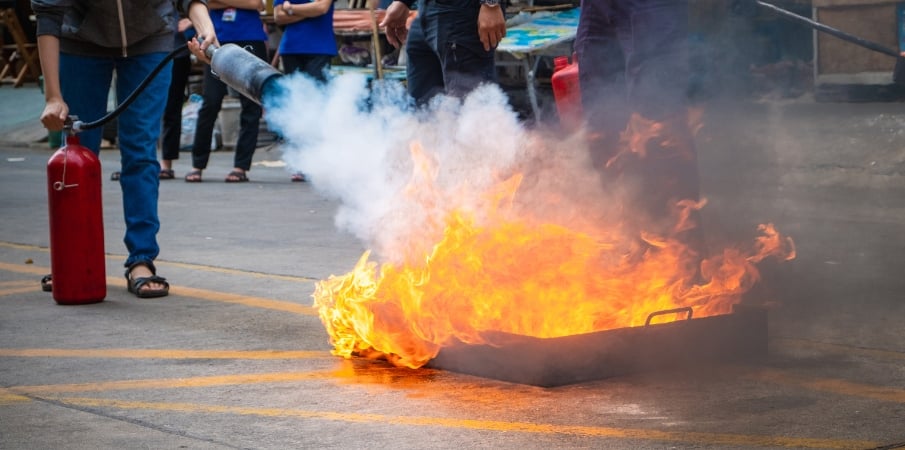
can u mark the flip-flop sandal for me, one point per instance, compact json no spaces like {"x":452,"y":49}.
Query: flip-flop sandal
{"x":167,"y":174}
{"x":46,"y":284}
{"x":135,"y":285}
{"x":193,"y":177}
{"x":236,"y":177}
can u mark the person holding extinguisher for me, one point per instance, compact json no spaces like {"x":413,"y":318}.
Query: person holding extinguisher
{"x":81,"y":44}
{"x":237,"y":22}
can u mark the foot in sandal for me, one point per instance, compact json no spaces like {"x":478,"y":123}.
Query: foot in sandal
{"x":193,"y":177}
{"x":236,"y":176}
{"x":142,"y":280}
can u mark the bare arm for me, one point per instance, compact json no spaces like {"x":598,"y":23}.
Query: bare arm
{"x":317,"y":8}
{"x":241,"y":4}
{"x":55,"y":109}
{"x":204,"y":29}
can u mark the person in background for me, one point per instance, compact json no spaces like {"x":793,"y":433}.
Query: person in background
{"x":308,"y":43}
{"x":237,"y":22}
{"x":81,"y":44}
{"x":451,"y":44}
{"x":634,"y":76}
{"x":172,"y":113}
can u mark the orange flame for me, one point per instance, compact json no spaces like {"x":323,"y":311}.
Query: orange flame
{"x":493,"y":269}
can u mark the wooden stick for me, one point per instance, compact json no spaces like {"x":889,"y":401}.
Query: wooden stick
{"x":375,"y":40}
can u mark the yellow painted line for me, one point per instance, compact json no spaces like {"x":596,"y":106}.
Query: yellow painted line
{"x":174,"y":383}
{"x":697,"y":438}
{"x":22,"y":290}
{"x":254,"y":302}
{"x":16,"y":284}
{"x":161,"y":354}
{"x":232,"y":271}
{"x":10,"y":398}
{"x":160,"y":263}
{"x":23,"y":246}
{"x":839,"y":348}
{"x":202,"y":294}
{"x":25,"y":268}
{"x":18,"y":287}
{"x":835,"y":386}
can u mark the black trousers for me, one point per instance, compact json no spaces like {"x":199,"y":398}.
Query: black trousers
{"x":171,"y":133}
{"x":214,"y":91}
{"x":634,"y":73}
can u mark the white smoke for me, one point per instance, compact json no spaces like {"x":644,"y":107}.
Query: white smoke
{"x":353,"y":143}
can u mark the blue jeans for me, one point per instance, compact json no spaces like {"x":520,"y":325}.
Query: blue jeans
{"x":445,"y":54}
{"x":85,"y":82}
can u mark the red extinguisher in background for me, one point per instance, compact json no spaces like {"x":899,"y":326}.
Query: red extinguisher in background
{"x":77,"y":263}
{"x":567,"y":92}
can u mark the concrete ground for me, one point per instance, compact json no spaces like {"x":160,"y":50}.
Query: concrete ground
{"x":236,"y":357}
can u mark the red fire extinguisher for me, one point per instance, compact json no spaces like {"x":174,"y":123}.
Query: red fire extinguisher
{"x":74,"y":198}
{"x":567,"y":92}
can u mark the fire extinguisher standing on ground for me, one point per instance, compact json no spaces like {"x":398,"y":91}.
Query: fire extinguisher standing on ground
{"x":77,"y":263}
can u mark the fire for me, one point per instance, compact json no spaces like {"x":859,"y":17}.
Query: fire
{"x":499,"y":269}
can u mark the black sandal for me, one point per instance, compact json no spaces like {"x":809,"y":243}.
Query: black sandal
{"x":236,"y":176}
{"x":135,"y":284}
{"x":193,"y":177}
{"x":46,"y":285}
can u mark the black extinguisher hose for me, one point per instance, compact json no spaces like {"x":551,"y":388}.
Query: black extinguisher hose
{"x":78,"y":125}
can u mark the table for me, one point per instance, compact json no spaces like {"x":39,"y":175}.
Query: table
{"x":389,"y":73}
{"x":531,"y":39}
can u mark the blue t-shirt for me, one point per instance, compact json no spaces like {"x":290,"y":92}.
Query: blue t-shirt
{"x":312,"y":36}
{"x":234,"y":24}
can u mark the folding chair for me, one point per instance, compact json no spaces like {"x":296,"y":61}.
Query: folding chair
{"x":22,"y":64}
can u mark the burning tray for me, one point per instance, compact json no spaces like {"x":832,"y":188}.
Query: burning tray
{"x":565,"y":360}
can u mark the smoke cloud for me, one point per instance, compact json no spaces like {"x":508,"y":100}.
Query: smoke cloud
{"x":363,"y":145}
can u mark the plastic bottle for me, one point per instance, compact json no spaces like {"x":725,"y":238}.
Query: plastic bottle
{"x":567,"y":92}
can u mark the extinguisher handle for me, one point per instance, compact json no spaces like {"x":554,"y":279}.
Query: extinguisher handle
{"x":73,"y":125}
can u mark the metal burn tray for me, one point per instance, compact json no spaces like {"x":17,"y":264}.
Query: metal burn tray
{"x":549,"y":362}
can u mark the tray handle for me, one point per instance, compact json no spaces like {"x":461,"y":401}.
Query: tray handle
{"x":686,"y":309}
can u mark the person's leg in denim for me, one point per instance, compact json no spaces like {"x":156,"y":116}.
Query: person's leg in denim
{"x":445,"y":53}
{"x":423,"y":71}
{"x":85,"y":84}
{"x":139,"y":129}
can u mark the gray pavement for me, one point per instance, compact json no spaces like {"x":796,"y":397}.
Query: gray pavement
{"x":235,"y":357}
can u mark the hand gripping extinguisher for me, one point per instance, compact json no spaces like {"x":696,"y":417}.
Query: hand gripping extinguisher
{"x":77,"y":261}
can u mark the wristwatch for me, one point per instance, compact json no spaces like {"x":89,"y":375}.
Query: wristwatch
{"x":490,"y":3}
{"x":287,"y":8}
